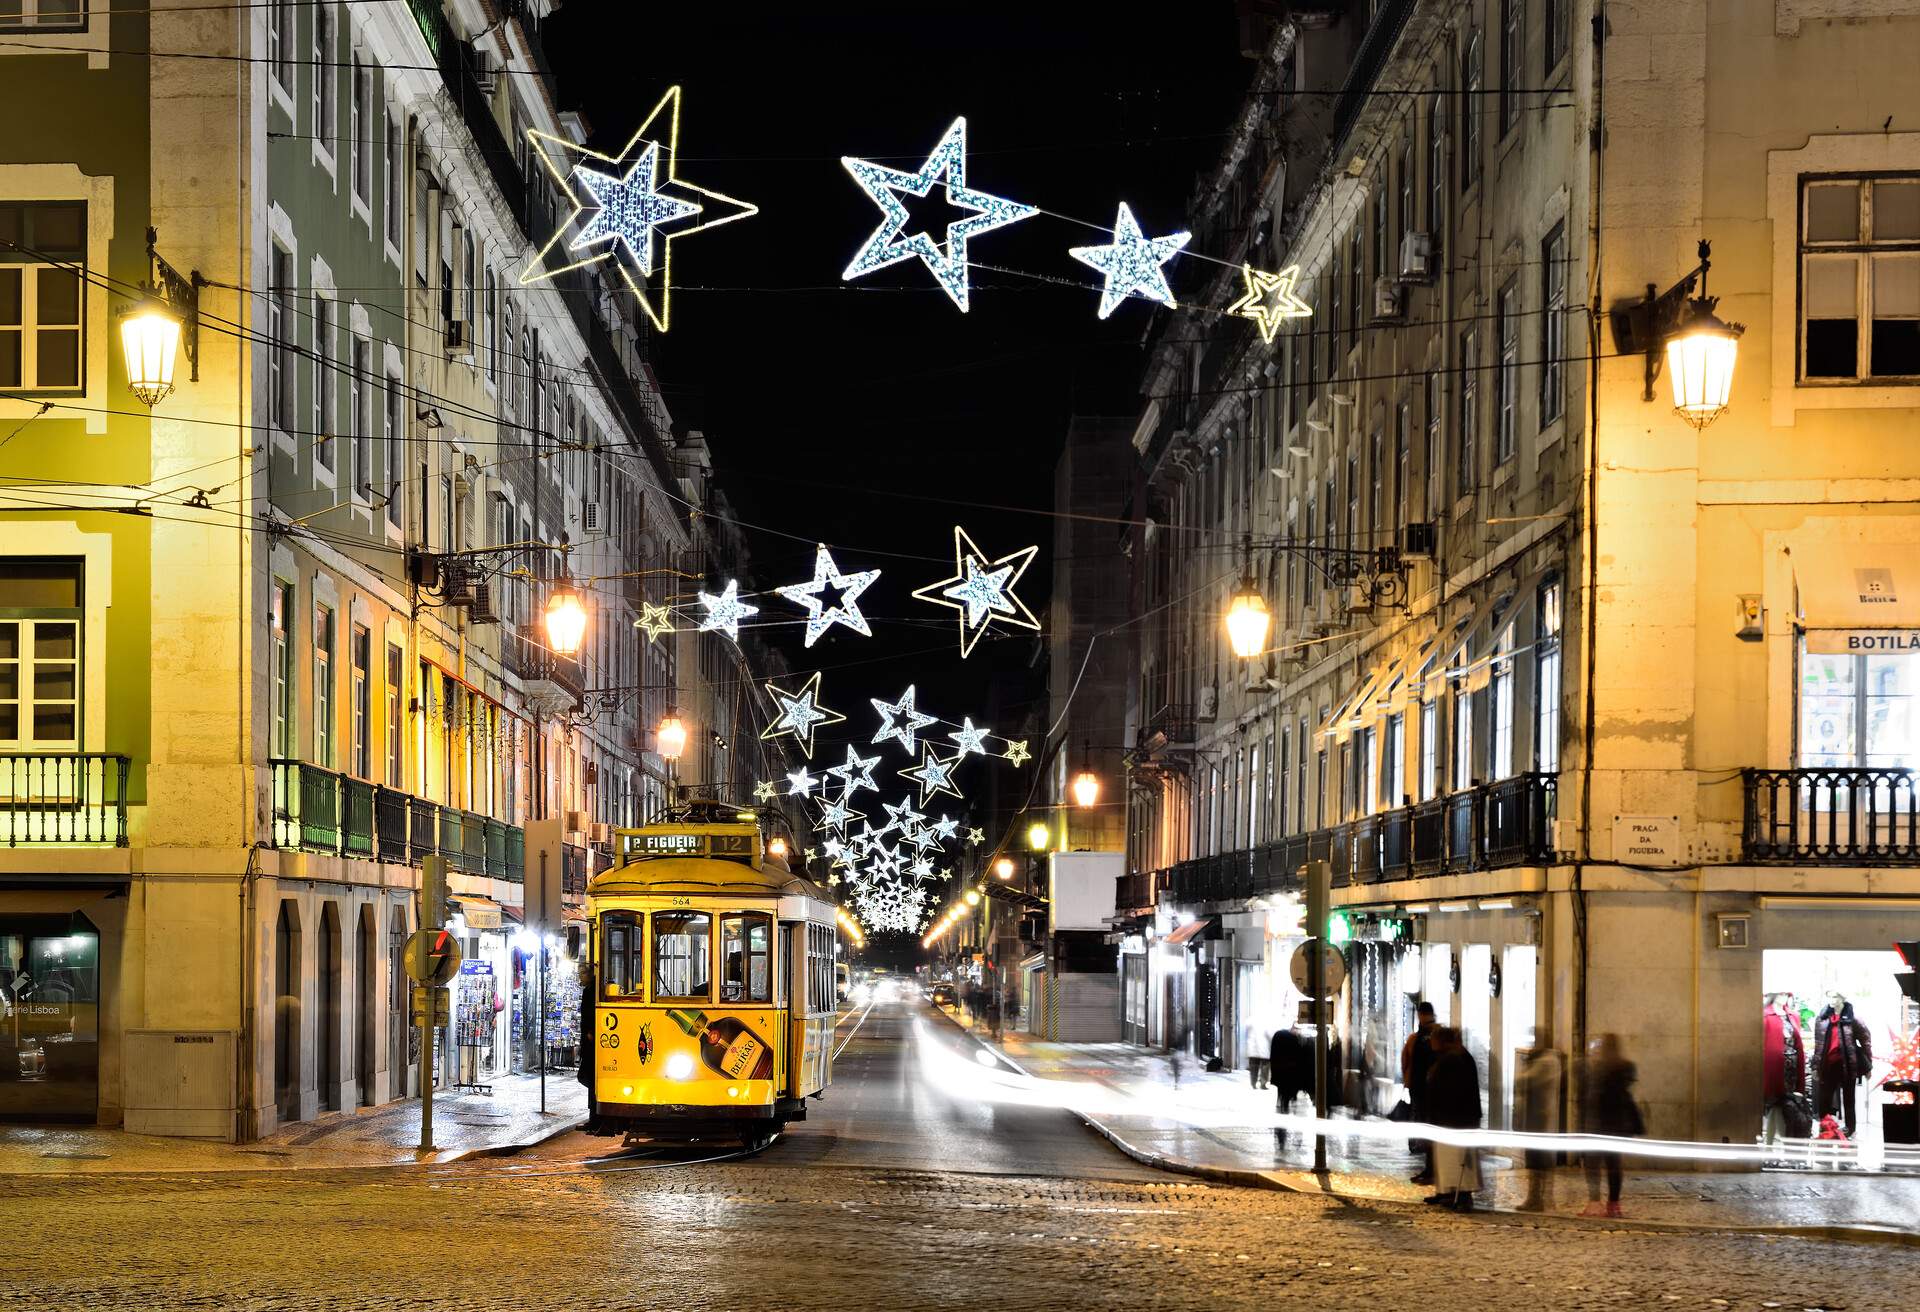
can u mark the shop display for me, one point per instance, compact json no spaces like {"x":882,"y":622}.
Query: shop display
{"x":473,"y":1014}
{"x":1842,"y":1058}
{"x":563,"y":1012}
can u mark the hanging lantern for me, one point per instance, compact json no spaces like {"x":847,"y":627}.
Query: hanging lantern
{"x":1038,"y":836}
{"x":671,"y":737}
{"x":566,"y":620}
{"x":1248,"y":620}
{"x":150,"y":336}
{"x":1700,"y":358}
{"x":1086,"y":789}
{"x":1003,"y":868}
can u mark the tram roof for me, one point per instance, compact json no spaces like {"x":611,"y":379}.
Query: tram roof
{"x":702,"y":876}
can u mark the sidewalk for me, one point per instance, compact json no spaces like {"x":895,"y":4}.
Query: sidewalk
{"x":464,"y":1125}
{"x":1224,"y":1146}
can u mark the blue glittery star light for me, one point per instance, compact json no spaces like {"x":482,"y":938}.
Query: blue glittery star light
{"x":946,"y":166}
{"x":836,"y":815}
{"x":899,"y":720}
{"x":1132,"y":263}
{"x":725,"y":611}
{"x":844,"y":611}
{"x":969,"y":738}
{"x":934,"y":774}
{"x":629,"y":208}
{"x":981,"y":590}
{"x":800,"y":713}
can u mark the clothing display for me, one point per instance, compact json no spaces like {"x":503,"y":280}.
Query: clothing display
{"x":1842,"y":1059}
{"x":1784,"y":1108}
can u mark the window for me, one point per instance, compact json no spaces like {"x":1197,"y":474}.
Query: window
{"x":492,"y":337}
{"x":449,"y":242}
{"x":1470,"y":111}
{"x":1434,"y":463}
{"x":1381,"y":203}
{"x":1407,"y":186}
{"x":1356,"y":295}
{"x":394,"y":203}
{"x":43,"y":16}
{"x":468,"y":272}
{"x":396,"y":665}
{"x":279,"y":42}
{"x":323,"y":76}
{"x":1436,"y":171}
{"x":280,"y":347}
{"x":1553,"y":321}
{"x":324,"y":416}
{"x":1403,"y":480}
{"x":746,"y":949}
{"x":1393,"y":765}
{"x":1353,"y":503}
{"x":1546,"y":681}
{"x":1377,"y":506}
{"x":1300,"y":791}
{"x":1859,"y":710}
{"x":40,"y":618}
{"x":283,"y":745}
{"x":1510,"y":54}
{"x":1254,"y":796}
{"x":1506,"y":379}
{"x":622,"y":958}
{"x":1557,"y":24}
{"x":361,"y":657}
{"x":1469,"y":412}
{"x":1501,"y":731}
{"x":42,"y":266}
{"x":682,"y":948}
{"x":360,"y":416}
{"x":1429,"y":750}
{"x":1367,"y":793}
{"x":1283,"y":754}
{"x":390,"y":430}
{"x":323,"y":686}
{"x":1860,"y":278}
{"x":359,"y":134}
{"x":422,"y":189}
{"x":1462,"y":737}
{"x":1320,"y":788}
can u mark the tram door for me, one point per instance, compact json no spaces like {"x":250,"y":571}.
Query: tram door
{"x":798,"y":1004}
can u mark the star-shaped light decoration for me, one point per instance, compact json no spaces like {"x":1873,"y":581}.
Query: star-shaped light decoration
{"x":947,"y":261}
{"x":765,"y":791}
{"x":1269,"y":299}
{"x":800,"y":713}
{"x":857,"y":773}
{"x":637,"y":191}
{"x":945,"y":828}
{"x":1017,"y":753}
{"x":846,"y":610}
{"x":922,"y":869}
{"x":922,"y":839}
{"x":900,"y":720}
{"x":1132,"y":263}
{"x":975,"y":837}
{"x":656,"y":620}
{"x":934,"y":774}
{"x":981,"y":590}
{"x":800,"y":783}
{"x":835,"y":814}
{"x":969,"y":738}
{"x":902,"y":817}
{"x":725,"y":611}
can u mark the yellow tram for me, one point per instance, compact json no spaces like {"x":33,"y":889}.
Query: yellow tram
{"x":709,"y":997}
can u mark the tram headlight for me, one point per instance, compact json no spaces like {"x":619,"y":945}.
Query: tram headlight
{"x":679,"y":1067}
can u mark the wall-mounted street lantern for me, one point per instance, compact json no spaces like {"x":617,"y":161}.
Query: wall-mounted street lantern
{"x":671,"y":737}
{"x":1248,"y":620}
{"x":153,"y":332}
{"x":1699,"y":349}
{"x":566,"y":619}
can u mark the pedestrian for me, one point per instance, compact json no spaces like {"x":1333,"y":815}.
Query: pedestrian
{"x":1453,"y":1102}
{"x":1416,"y":1059}
{"x":993,"y":1012}
{"x":1608,"y":1108}
{"x":1537,"y":1099}
{"x":1290,"y":1071}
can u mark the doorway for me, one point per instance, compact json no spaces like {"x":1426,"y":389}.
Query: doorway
{"x":367,"y":991}
{"x":330,"y":1005}
{"x":286,"y":1012}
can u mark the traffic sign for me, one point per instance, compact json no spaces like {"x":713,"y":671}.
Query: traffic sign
{"x":1302,"y":968}
{"x":433,"y":956}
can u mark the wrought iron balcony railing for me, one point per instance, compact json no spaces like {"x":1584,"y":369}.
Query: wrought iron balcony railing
{"x":1832,"y":815}
{"x":63,"y":797}
{"x":319,"y":810}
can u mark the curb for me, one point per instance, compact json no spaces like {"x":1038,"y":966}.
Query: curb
{"x":509,"y":1149}
{"x":1252,"y":1179}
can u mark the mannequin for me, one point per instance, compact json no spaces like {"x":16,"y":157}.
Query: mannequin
{"x":1842,"y":1058}
{"x":1784,"y":1072}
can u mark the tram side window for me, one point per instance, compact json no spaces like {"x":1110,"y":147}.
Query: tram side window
{"x":682,"y":955}
{"x":746,"y":955}
{"x":620,"y":955}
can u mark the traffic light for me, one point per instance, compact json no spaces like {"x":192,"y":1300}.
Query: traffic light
{"x":1910,"y":977}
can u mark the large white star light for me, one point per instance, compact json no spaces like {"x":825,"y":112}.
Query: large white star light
{"x":934,"y":774}
{"x":900,"y":720}
{"x":845,"y":610}
{"x":800,"y":783}
{"x":800,"y":713}
{"x":835,"y":814}
{"x":969,"y":738}
{"x":981,"y":590}
{"x":725,"y":611}
{"x":856,"y":773}
{"x":629,"y":197}
{"x":946,"y":166}
{"x":946,"y":828}
{"x":1133,"y":263}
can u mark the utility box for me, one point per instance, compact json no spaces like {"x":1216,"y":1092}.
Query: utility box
{"x":1080,"y":888}
{"x":181,"y":1082}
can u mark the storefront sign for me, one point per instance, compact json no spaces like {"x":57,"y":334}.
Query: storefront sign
{"x":1847,"y":642}
{"x":1646,"y":840}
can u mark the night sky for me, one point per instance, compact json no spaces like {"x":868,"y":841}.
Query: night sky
{"x":873,"y":415}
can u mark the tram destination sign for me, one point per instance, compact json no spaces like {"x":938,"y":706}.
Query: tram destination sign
{"x":683,"y":844}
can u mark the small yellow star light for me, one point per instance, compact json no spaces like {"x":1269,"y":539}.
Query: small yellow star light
{"x":764,"y":791}
{"x":1269,"y":299}
{"x":1017,"y":753}
{"x":656,"y":620}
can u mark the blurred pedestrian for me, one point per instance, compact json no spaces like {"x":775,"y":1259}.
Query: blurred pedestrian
{"x":1290,"y":1071}
{"x":1608,"y":1108}
{"x":993,"y":1012}
{"x":1453,"y":1102}
{"x":1416,"y":1059}
{"x":1537,"y":1098}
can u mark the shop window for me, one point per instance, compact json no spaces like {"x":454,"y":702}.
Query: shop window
{"x":40,"y":655}
{"x":1860,"y":278}
{"x":49,"y":1018}
{"x":42,"y":266}
{"x":43,"y":16}
{"x":746,"y":949}
{"x":622,"y":966}
{"x":682,"y":952}
{"x":1859,"y":711}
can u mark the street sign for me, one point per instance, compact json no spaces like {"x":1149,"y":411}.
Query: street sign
{"x":441,"y":999}
{"x":433,"y":956}
{"x":1312,"y":1013}
{"x":1302,"y":968}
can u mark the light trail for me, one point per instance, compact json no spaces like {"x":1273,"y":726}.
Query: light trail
{"x":855,"y":1030}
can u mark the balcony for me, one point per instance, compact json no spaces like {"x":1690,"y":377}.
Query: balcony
{"x":63,"y":797}
{"x":1835,"y":816}
{"x":316,"y":810}
{"x":1488,"y":827}
{"x":558,"y":682}
{"x":458,"y":71}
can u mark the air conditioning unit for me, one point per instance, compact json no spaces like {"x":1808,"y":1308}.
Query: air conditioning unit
{"x":456,"y":581}
{"x":1416,"y":257}
{"x":590,"y":515}
{"x":1357,"y":598}
{"x":1418,"y":540}
{"x":575,"y":822}
{"x":1389,"y":299}
{"x":601,"y":835}
{"x":1209,"y":703}
{"x":459,"y":339}
{"x":480,"y":609}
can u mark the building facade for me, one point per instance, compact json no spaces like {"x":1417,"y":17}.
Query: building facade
{"x":279,"y":637}
{"x":1599,"y":717}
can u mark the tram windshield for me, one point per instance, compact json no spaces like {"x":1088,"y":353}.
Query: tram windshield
{"x":682,"y":955}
